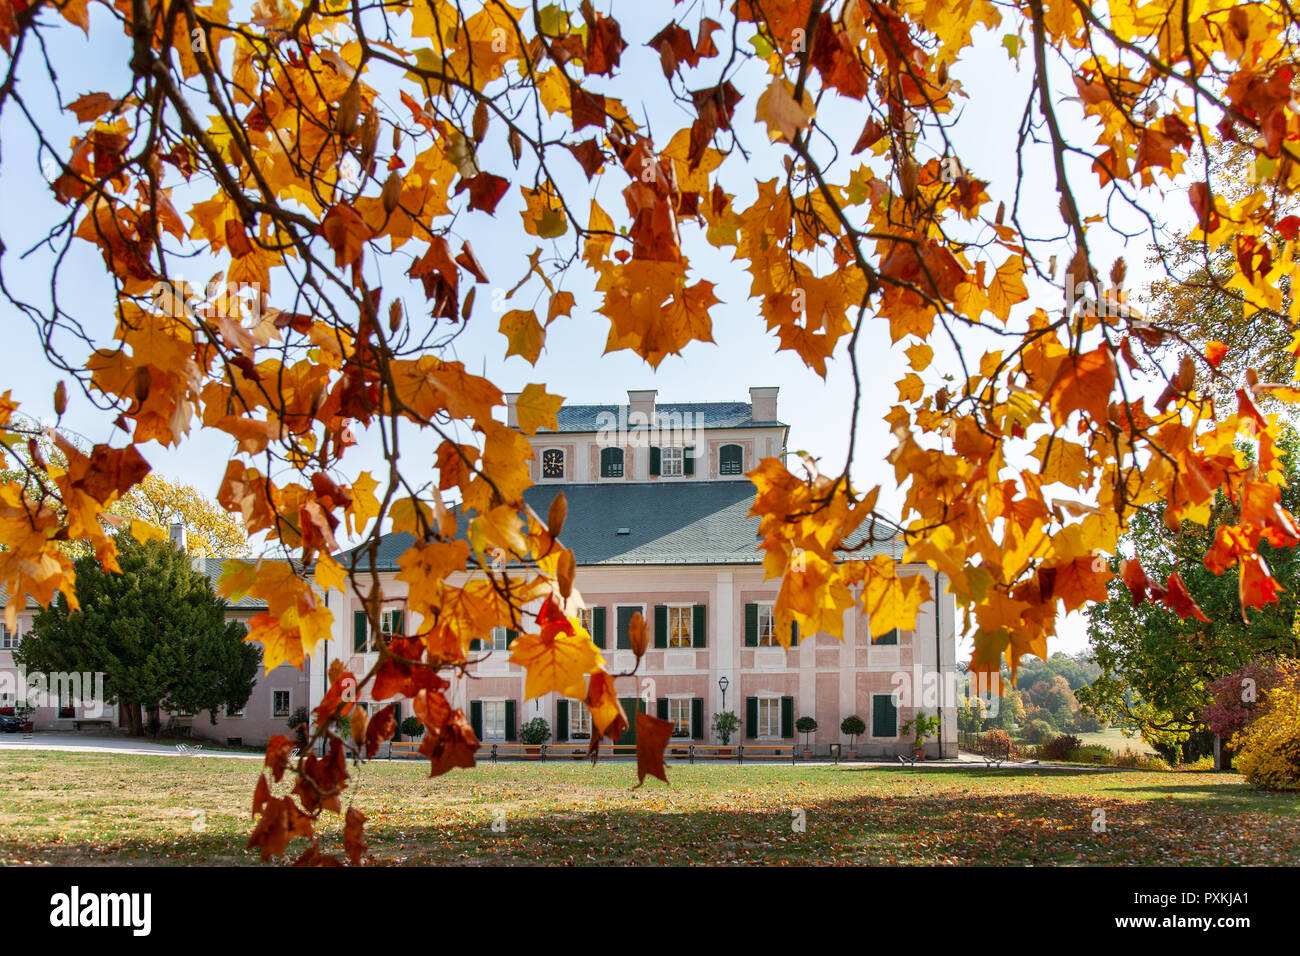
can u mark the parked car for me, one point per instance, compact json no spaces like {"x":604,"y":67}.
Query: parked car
{"x":11,"y":724}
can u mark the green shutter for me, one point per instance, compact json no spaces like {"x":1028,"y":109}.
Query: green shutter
{"x":890,"y":638}
{"x":751,"y":625}
{"x":510,"y":720}
{"x":751,"y":716}
{"x":654,"y":460}
{"x":697,"y":718}
{"x":397,"y":716}
{"x":622,"y":638}
{"x":730,"y":460}
{"x":476,"y":718}
{"x":661,"y":708}
{"x":562,"y":720}
{"x":510,"y":637}
{"x":787,"y":716}
{"x":399,"y":623}
{"x":661,"y":625}
{"x":699,"y":624}
{"x":631,"y":706}
{"x":688,"y":460}
{"x":794,"y":633}
{"x":359,"y":627}
{"x":884,"y":716}
{"x":611,"y":463}
{"x":598,"y":626}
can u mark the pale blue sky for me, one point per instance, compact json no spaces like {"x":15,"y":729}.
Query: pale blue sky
{"x":572,"y":364}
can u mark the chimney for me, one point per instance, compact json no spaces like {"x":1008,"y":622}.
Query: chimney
{"x":641,"y":406}
{"x":512,"y":413}
{"x":177,"y":535}
{"x":763,"y":404}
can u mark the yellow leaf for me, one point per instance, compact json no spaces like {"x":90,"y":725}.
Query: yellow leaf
{"x":536,"y":408}
{"x":523,"y":333}
{"x":329,"y":574}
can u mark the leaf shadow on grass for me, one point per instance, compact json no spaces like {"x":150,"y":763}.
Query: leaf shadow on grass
{"x":1024,"y":828}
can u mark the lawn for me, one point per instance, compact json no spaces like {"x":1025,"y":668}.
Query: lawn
{"x":1114,"y":738}
{"x":116,"y":809}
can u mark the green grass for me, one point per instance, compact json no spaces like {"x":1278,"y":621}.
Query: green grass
{"x":82,"y":809}
{"x":1114,"y":738}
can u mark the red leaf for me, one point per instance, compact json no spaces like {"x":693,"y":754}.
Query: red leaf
{"x":652,"y":736}
{"x":1179,"y":601}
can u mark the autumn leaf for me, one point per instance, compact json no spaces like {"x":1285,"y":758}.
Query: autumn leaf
{"x":652,"y":736}
{"x":537,"y":409}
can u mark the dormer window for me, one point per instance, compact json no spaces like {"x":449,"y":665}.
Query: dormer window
{"x":672,"y":462}
{"x":731,"y":460}
{"x":611,"y":463}
{"x":553,"y":463}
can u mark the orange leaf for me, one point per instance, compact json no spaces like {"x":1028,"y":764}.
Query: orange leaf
{"x":652,"y":736}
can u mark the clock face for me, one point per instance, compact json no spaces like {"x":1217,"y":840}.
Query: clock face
{"x":553,"y":464}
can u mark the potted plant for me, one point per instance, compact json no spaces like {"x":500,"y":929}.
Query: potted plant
{"x":24,"y":711}
{"x":855,"y":727}
{"x":532,"y":735}
{"x":924,"y":727}
{"x":724,"y":725}
{"x":299,"y":724}
{"x":805,"y":726}
{"x":411,"y":726}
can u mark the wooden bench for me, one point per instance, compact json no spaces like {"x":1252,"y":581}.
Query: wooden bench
{"x":92,"y":722}
{"x":406,"y":749}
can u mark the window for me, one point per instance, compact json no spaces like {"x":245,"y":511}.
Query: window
{"x":502,"y":637}
{"x":884,"y":716}
{"x":679,"y":712}
{"x":766,"y":626}
{"x":66,"y":708}
{"x":390,"y":622}
{"x":579,"y":721}
{"x":494,"y":719}
{"x":587,"y":618}
{"x":611,"y":463}
{"x":731,"y":460}
{"x":679,"y":625}
{"x":231,"y":712}
{"x":553,"y":463}
{"x":8,"y":639}
{"x":623,"y":623}
{"x":670,"y":462}
{"x":890,"y":639}
{"x":281,"y":703}
{"x":769,"y":717}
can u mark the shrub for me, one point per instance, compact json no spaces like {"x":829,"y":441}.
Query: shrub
{"x":1059,"y":747}
{"x":1091,"y":753}
{"x":1268,"y":749}
{"x":1038,"y":731}
{"x":412,"y":727}
{"x":536,"y":731}
{"x":1236,"y":697}
{"x":299,"y":723}
{"x":1136,"y":761}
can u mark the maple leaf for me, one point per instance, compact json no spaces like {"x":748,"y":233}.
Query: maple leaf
{"x":536,"y":408}
{"x":1083,"y":382}
{"x":652,"y":736}
{"x":354,"y":840}
{"x":777,"y":108}
{"x":279,"y":821}
{"x":524,"y":334}
{"x":558,"y":659}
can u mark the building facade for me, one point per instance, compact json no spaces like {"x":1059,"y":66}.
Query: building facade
{"x":658,"y":519}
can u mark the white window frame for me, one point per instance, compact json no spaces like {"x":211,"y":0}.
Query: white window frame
{"x":564,"y":465}
{"x":771,"y":704}
{"x":579,"y":720}
{"x":288,"y":711}
{"x":587,"y":618}
{"x":686,"y":704}
{"x":770,"y":640}
{"x":387,"y":620}
{"x":493,"y":704}
{"x":690,"y":626}
{"x":871,"y":725}
{"x":9,"y":640}
{"x":500,"y":638}
{"x":674,"y":456}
